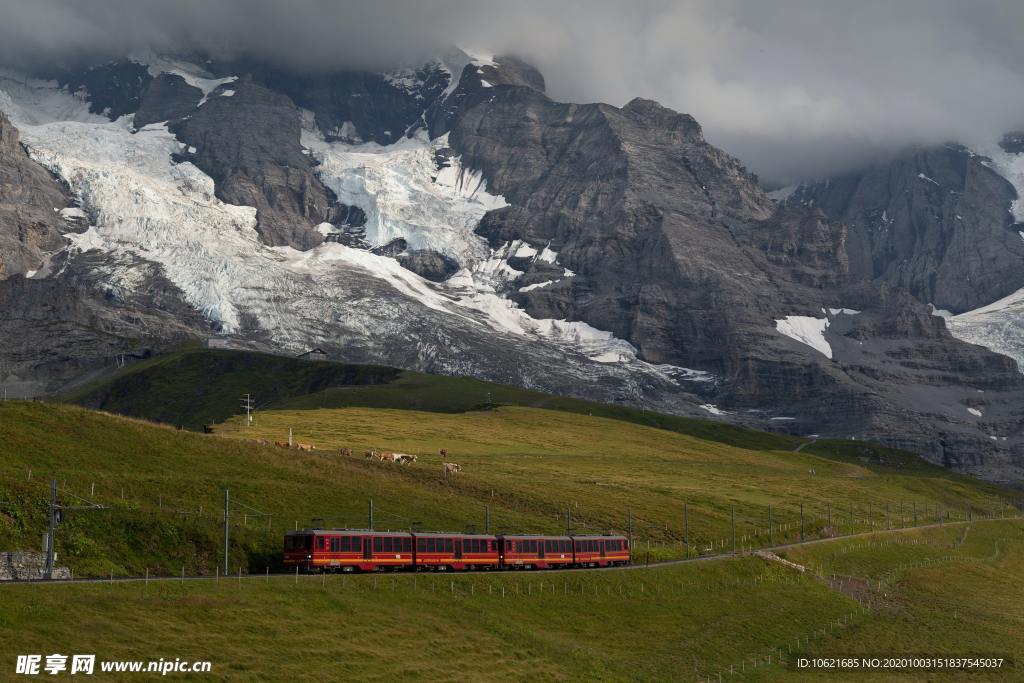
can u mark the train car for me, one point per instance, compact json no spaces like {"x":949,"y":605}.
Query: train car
{"x":535,"y":552}
{"x":347,"y":550}
{"x":448,"y":551}
{"x":600,"y":551}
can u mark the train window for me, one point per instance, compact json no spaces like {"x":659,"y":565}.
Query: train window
{"x":407,"y":545}
{"x":345,"y":544}
{"x":421,"y":545}
{"x":378,"y":544}
{"x":430,"y":544}
{"x":357,"y":544}
{"x":334,"y":545}
{"x":448,"y":545}
{"x":320,"y":543}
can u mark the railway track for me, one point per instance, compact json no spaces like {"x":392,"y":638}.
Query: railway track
{"x":629,"y":567}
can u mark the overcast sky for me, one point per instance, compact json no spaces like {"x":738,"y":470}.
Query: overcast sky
{"x":795,"y":88}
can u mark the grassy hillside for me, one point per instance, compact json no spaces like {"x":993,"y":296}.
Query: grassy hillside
{"x":680,"y":622}
{"x":196,"y":386}
{"x":163,"y":488}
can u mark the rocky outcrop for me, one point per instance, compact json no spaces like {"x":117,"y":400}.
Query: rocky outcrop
{"x":167,"y":98}
{"x":354,"y":106}
{"x":432,"y":265}
{"x":31,"y":224}
{"x":933,"y":221}
{"x":113,"y":89}
{"x":248,"y":143}
{"x":74,"y":322}
{"x":474,"y":80}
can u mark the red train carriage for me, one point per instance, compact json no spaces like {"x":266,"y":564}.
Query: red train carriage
{"x":314,"y":550}
{"x":535,"y":552}
{"x":444,"y":551}
{"x":347,"y":550}
{"x":600,"y":551}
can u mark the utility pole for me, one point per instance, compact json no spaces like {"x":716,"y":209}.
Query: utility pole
{"x":568,"y":521}
{"x":487,"y":519}
{"x":629,"y":514}
{"x":371,"y":514}
{"x":771,"y":537}
{"x":686,"y":528}
{"x":801,"y":522}
{"x":53,"y":528}
{"x":734,"y":528}
{"x":56,"y":510}
{"x":247,"y":405}
{"x":227,"y":502}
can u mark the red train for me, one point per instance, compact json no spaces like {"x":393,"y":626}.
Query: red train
{"x":313,"y":550}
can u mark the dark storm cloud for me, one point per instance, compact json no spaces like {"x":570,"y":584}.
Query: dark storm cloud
{"x":795,"y":88}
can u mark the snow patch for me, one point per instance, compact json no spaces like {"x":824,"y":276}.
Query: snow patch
{"x":843,"y":311}
{"x":713,"y":409}
{"x":806,"y":330}
{"x":975,"y":412}
{"x":538,"y":285}
{"x":73,"y":213}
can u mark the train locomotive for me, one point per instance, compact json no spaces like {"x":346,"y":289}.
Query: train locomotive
{"x":362,"y":550}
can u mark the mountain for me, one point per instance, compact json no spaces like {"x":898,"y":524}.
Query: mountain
{"x":452,"y":218}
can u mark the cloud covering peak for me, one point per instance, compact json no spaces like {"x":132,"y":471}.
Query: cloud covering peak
{"x":795,"y":88}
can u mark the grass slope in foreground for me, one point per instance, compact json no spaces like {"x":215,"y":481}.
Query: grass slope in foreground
{"x":946,"y":591}
{"x":164,"y":488}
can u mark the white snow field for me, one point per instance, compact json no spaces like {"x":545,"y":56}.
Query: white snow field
{"x":144,"y":206}
{"x":806,"y":330}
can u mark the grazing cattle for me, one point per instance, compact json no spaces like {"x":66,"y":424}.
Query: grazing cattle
{"x":261,"y":442}
{"x":282,"y":444}
{"x":370,"y":453}
{"x":404,"y":458}
{"x":451,"y":468}
{"x":444,"y":453}
{"x":347,"y":452}
{"x":308,"y":447}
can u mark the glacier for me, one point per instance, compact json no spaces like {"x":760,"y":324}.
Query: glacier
{"x":143,"y":207}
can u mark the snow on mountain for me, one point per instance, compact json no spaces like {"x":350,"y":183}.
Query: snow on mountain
{"x":806,"y":330}
{"x":998,"y":326}
{"x":147,"y":208}
{"x":404,"y":195}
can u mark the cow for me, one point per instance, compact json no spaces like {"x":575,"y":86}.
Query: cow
{"x":261,"y":442}
{"x":344,"y":451}
{"x":282,"y":444}
{"x":370,"y":453}
{"x":307,"y":447}
{"x":444,"y":453}
{"x":387,"y":456}
{"x":451,"y":468}
{"x":405,"y":458}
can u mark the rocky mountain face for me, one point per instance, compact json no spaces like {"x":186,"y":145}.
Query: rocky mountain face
{"x":935,"y":222}
{"x":489,"y":230}
{"x":246,"y":138}
{"x":30,"y":203}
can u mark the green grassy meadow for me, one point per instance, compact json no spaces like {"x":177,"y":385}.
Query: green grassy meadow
{"x":946,"y":586}
{"x":687,"y":621}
